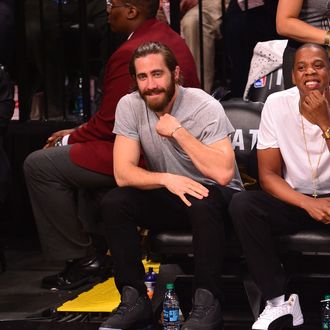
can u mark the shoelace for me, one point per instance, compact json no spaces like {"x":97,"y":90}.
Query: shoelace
{"x":198,"y":311}
{"x":121,"y":309}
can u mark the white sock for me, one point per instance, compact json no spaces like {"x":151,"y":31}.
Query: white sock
{"x":277,"y":301}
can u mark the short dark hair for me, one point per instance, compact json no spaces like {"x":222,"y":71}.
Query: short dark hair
{"x":311,"y":45}
{"x":148,"y":8}
{"x":153,"y":47}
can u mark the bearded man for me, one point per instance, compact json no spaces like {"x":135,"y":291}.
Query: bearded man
{"x":190,"y":178}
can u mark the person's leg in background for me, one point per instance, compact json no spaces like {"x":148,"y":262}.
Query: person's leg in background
{"x":53,"y":182}
{"x":211,"y":32}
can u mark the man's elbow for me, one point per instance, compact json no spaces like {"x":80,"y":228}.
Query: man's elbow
{"x":120,"y":180}
{"x":264,"y":184}
{"x":225,"y":177}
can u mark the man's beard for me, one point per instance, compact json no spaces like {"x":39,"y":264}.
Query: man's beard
{"x":159,"y":106}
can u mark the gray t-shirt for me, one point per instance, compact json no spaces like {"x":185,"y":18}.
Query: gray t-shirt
{"x":197,"y":111}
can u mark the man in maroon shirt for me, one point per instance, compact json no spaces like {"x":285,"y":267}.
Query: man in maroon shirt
{"x":82,"y":157}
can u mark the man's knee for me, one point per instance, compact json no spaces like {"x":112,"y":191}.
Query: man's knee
{"x":32,"y":163}
{"x":240,"y":205}
{"x":117,"y":199}
{"x":203,"y":210}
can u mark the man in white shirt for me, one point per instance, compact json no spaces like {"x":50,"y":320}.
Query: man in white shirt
{"x":293,"y":159}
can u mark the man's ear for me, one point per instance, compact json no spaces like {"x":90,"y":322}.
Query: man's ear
{"x":133,"y":12}
{"x":177,"y":73}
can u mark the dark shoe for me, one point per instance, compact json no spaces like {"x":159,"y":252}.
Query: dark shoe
{"x":205,"y":314}
{"x":78,"y":272}
{"x":134,"y":311}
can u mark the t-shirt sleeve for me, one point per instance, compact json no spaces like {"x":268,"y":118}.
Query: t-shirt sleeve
{"x":126,"y":121}
{"x":214,"y":123}
{"x":267,"y":129}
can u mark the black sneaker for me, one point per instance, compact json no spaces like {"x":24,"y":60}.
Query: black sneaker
{"x":134,"y":312}
{"x":79,"y":272}
{"x":205,"y":314}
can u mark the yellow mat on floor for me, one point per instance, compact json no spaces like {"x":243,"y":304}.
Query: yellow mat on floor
{"x":103,"y":297}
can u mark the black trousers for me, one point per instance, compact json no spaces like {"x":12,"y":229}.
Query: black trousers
{"x":258,"y":217}
{"x":123,"y":209}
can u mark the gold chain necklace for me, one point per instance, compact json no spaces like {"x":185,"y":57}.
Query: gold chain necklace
{"x":314,"y":173}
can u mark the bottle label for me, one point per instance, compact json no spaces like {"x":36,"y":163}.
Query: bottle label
{"x":171,"y":315}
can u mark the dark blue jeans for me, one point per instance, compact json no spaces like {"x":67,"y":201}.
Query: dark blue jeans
{"x":123,"y":209}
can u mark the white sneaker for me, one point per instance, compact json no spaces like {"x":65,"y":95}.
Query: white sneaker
{"x":276,"y":317}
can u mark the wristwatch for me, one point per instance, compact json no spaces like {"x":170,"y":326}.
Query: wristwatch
{"x":326,"y":133}
{"x":58,"y":142}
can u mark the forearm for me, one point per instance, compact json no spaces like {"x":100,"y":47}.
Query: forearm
{"x":279,"y":188}
{"x":298,"y":30}
{"x":138,"y":177}
{"x":214,"y":163}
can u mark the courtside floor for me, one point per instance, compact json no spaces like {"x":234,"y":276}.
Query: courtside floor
{"x":24,"y":305}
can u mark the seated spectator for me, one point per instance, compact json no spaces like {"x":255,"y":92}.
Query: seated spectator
{"x":301,"y":21}
{"x":293,"y":157}
{"x":189,"y":181}
{"x":54,"y":175}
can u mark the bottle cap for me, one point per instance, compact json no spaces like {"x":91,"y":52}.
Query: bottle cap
{"x":170,"y":286}
{"x":326,"y":298}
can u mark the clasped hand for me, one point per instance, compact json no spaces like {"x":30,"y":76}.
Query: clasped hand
{"x":53,"y":138}
{"x":319,"y":209}
{"x":315,"y":108}
{"x":166,"y":125}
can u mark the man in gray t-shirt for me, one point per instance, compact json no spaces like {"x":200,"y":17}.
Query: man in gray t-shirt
{"x":188,"y":181}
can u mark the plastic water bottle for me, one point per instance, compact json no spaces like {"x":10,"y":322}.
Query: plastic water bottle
{"x":78,"y":110}
{"x":171,"y":309}
{"x":326,"y":312}
{"x":150,"y":281}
